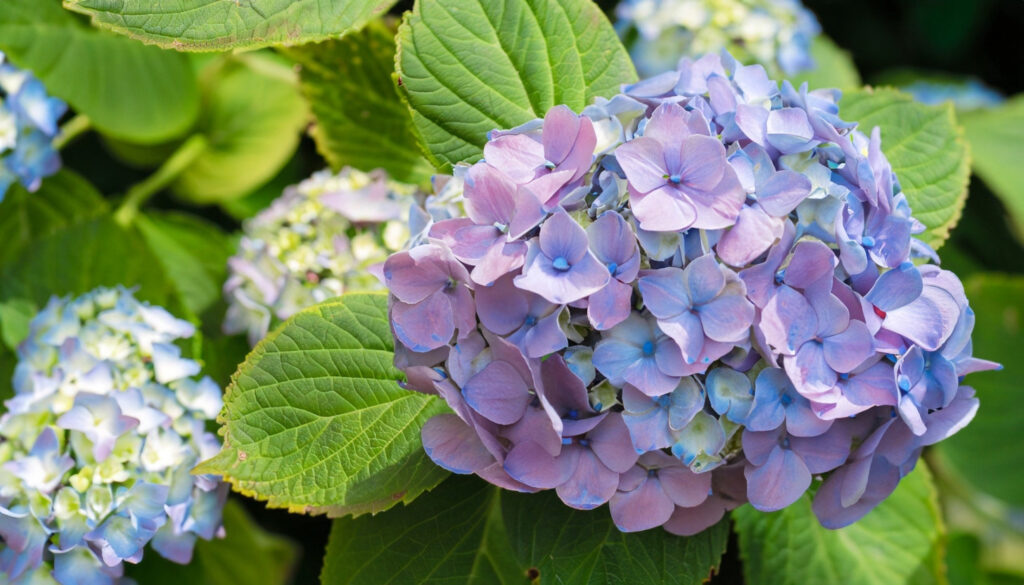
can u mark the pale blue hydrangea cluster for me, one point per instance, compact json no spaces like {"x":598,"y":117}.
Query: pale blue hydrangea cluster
{"x":774,"y":33}
{"x":107,"y":421}
{"x":965,"y":94}
{"x":321,"y":238}
{"x":28,"y":124}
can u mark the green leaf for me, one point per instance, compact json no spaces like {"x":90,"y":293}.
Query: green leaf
{"x":248,"y":554}
{"x":468,"y":531}
{"x":577,"y":547}
{"x":218,"y":25}
{"x":467,"y":67}
{"x":315,"y":420}
{"x":252,"y":118}
{"x":996,"y":137}
{"x":64,"y":199}
{"x":900,"y":541}
{"x":982,"y":453}
{"x":927,"y":151}
{"x":192,"y":252}
{"x":83,"y":256}
{"x":454,"y":534}
{"x":126,"y":89}
{"x":833,"y":67}
{"x":15,"y":315}
{"x":360,"y":119}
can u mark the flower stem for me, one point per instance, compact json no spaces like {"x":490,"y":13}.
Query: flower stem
{"x":72,"y":129}
{"x":139,"y":193}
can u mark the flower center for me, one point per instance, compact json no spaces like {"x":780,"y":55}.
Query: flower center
{"x":648,"y":347}
{"x":560,"y":264}
{"x":573,"y":414}
{"x":675,"y":179}
{"x":530,"y":321}
{"x":612,"y":267}
{"x":868,"y":241}
{"x":549,"y":165}
{"x":786,"y":399}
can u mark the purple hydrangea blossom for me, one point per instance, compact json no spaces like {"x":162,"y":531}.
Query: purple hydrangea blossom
{"x":720,"y":301}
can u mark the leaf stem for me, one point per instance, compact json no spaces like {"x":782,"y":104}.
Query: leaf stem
{"x":140,"y":192}
{"x":72,"y":129}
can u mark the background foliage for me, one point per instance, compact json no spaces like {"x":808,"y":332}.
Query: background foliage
{"x":215,"y":136}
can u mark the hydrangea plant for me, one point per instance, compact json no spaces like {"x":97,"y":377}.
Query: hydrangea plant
{"x":703,"y":292}
{"x":107,"y":421}
{"x":774,"y":33}
{"x":28,"y":124}
{"x":322,"y":237}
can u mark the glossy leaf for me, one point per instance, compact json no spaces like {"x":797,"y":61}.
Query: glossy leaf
{"x":467,"y":531}
{"x":360,"y":120}
{"x":252,"y":118}
{"x":315,"y":420}
{"x":126,"y":89}
{"x":467,"y":67}
{"x":927,"y":151}
{"x":997,"y":147}
{"x":218,"y":25}
{"x":900,"y":541}
{"x":981,"y":453}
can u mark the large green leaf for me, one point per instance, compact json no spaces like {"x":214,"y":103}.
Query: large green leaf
{"x":252,"y":119}
{"x":63,"y":199}
{"x":218,"y":25}
{"x":576,"y":547}
{"x":468,"y":532}
{"x":15,"y":316}
{"x":192,"y":252}
{"x":470,"y":66}
{"x":985,"y":453}
{"x":315,"y":420}
{"x":900,"y":542}
{"x":360,"y":119}
{"x":997,"y":147}
{"x":126,"y":89}
{"x":248,"y":554}
{"x":927,"y":151}
{"x":833,"y":67}
{"x":83,"y":256}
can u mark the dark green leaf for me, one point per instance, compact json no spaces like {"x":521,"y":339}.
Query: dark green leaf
{"x":63,"y":199}
{"x":469,"y":532}
{"x":248,"y":554}
{"x":900,"y":541}
{"x":927,"y":151}
{"x":217,"y":25}
{"x":470,"y":66}
{"x":360,"y":119}
{"x":83,"y":256}
{"x":126,"y":89}
{"x":315,"y":420}
{"x":193,"y":253}
{"x":981,"y":453}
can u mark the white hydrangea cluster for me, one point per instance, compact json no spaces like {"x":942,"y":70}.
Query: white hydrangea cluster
{"x":321,"y":238}
{"x":774,"y":33}
{"x":98,"y":443}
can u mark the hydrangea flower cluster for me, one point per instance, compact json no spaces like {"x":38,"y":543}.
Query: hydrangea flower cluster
{"x":775,"y":33}
{"x":702,"y":292}
{"x":107,"y":422}
{"x":28,"y":124}
{"x":966,"y":94}
{"x":321,"y":238}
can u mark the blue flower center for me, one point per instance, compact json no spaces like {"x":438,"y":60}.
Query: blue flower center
{"x":779,"y":276}
{"x":560,"y":264}
{"x":903,"y":382}
{"x":584,"y":442}
{"x":786,"y":399}
{"x":612,"y":267}
{"x":549,"y":165}
{"x":501,"y":227}
{"x":530,"y":321}
{"x":662,"y":400}
{"x":675,"y":179}
{"x":868,"y":241}
{"x":648,"y":347}
{"x":784,"y":443}
{"x":573,"y":414}
{"x":844,"y":376}
{"x":652,"y":473}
